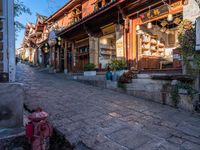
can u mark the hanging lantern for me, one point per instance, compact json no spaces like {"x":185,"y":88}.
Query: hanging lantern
{"x":137,"y":27}
{"x":47,"y":31}
{"x":59,"y":38}
{"x":45,"y":49}
{"x":59,"y":41}
{"x":149,"y":25}
{"x":170,"y":18}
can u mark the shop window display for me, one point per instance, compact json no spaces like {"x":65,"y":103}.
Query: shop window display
{"x":107,"y":45}
{"x":158,"y":42}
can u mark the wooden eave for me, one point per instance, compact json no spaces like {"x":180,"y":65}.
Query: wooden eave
{"x":66,"y":8}
{"x":140,"y":6}
{"x":90,"y":17}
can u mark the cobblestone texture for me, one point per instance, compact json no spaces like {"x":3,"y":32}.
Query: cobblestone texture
{"x":107,"y":120}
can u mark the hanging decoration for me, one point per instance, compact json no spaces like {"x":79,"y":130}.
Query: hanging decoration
{"x":164,"y":23}
{"x":138,"y":26}
{"x":170,"y":17}
{"x":177,"y":21}
{"x":45,"y":48}
{"x":149,"y":25}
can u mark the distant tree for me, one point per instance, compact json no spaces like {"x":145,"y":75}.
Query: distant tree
{"x":19,"y":9}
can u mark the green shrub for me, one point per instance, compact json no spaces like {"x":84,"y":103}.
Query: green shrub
{"x":118,"y":64}
{"x":89,"y":67}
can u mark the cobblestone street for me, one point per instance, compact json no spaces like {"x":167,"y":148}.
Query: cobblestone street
{"x":106,"y":120}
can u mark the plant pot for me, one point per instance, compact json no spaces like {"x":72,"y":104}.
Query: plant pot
{"x":90,"y":73}
{"x":117,"y":74}
{"x":109,"y":75}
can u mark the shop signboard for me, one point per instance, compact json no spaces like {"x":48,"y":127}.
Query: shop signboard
{"x":119,"y":42}
{"x":120,"y":47}
{"x":162,"y":10}
{"x":154,"y":13}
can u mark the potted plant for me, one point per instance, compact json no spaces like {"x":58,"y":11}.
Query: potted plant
{"x":118,"y":67}
{"x":187,"y":41}
{"x":89,"y":69}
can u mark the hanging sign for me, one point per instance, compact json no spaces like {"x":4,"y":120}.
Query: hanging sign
{"x":120,"y":49}
{"x":119,"y":41}
{"x":151,"y":14}
{"x":162,"y":10}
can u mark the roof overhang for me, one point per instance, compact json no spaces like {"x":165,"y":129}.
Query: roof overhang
{"x":91,"y":16}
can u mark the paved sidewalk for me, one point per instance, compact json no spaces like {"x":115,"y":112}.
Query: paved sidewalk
{"x":107,"y":120}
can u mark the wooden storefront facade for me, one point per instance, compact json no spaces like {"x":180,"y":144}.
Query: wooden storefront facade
{"x":93,"y":31}
{"x":154,"y":39}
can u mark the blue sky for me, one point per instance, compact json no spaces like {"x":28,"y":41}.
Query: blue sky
{"x":43,"y":7}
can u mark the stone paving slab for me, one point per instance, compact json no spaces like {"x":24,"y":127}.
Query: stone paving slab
{"x":106,"y":120}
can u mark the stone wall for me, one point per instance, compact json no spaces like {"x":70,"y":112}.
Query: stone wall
{"x":145,"y":87}
{"x":154,"y":90}
{"x":158,"y":91}
{"x":98,"y":81}
{"x":11,"y":105}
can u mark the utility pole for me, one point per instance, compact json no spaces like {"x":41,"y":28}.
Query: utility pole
{"x":11,"y":40}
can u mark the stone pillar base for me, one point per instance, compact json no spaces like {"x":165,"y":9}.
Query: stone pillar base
{"x":11,"y":105}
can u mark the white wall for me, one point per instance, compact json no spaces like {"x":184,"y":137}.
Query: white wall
{"x":191,"y":10}
{"x":9,"y":39}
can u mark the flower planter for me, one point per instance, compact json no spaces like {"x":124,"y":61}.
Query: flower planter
{"x":90,"y":73}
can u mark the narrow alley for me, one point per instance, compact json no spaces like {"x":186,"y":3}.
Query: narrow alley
{"x":103,"y":119}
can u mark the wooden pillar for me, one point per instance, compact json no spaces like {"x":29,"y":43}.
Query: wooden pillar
{"x":126,"y":38}
{"x":73,"y":57}
{"x":125,"y":45}
{"x":133,"y":43}
{"x":65,"y":57}
{"x":58,"y":59}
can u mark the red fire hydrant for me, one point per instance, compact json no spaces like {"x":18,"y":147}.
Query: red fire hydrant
{"x":38,"y":130}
